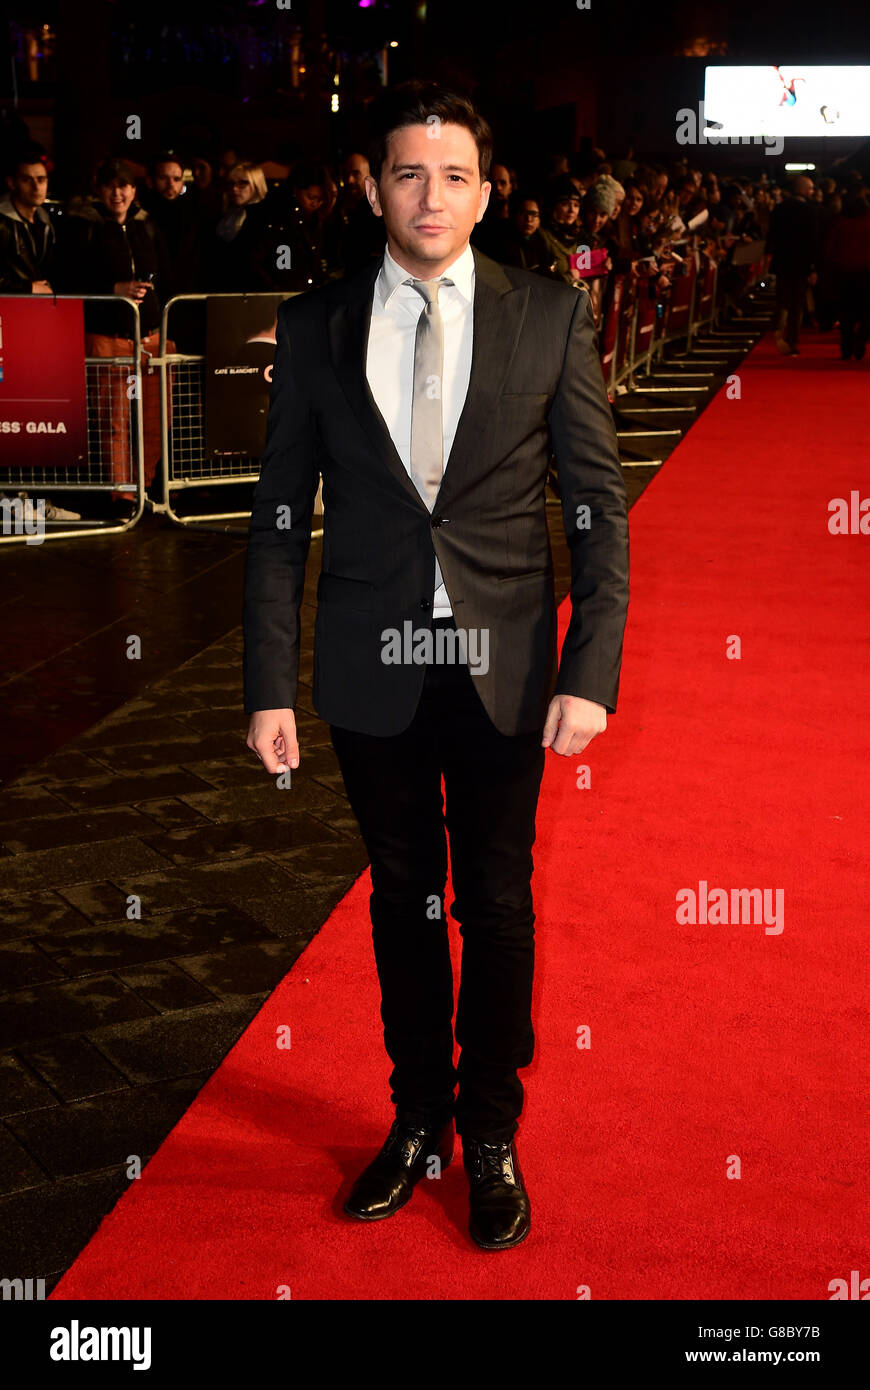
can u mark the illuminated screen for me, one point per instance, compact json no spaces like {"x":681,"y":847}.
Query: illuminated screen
{"x":788,"y":100}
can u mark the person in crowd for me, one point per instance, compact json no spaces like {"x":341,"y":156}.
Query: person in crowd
{"x":493,"y":235}
{"x":561,"y":227}
{"x":174,"y":213}
{"x":599,"y":205}
{"x":229,"y":253}
{"x":298,"y":249}
{"x":825,"y":292}
{"x":793,"y":245}
{"x":763,"y":207}
{"x":597,"y":234}
{"x":28,"y":249}
{"x":847,"y":253}
{"x":617,"y":192}
{"x":526,"y":246}
{"x":624,"y":167}
{"x":361,"y":236}
{"x":28,"y":241}
{"x":204,"y":191}
{"x":111,"y":247}
{"x":227,"y":161}
{"x":584,"y":170}
{"x":504,"y":183}
{"x":632,"y":242}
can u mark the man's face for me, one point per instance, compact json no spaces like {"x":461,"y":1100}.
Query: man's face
{"x":804,"y":188}
{"x":29,"y":185}
{"x":168,"y":180}
{"x":528,"y":217}
{"x":501,"y":182}
{"x":311,"y":198}
{"x":356,"y":171}
{"x":429,"y":194}
{"x":117,"y":197}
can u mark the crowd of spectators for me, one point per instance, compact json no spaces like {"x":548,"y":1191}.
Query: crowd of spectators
{"x":192,"y":225}
{"x":197,"y":224}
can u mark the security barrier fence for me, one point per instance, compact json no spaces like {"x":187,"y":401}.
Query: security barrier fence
{"x":112,"y":463}
{"x":637,"y":329}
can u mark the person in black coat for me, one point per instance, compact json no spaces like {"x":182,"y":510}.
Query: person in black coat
{"x":28,"y":241}
{"x":793,"y":242}
{"x":176,"y":214}
{"x":230,"y":253}
{"x":112,"y":246}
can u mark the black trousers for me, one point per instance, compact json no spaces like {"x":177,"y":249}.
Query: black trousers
{"x":853,"y":295}
{"x":491,"y":783}
{"x":791,"y":298}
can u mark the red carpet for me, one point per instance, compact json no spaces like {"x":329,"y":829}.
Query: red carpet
{"x":707,"y":1041}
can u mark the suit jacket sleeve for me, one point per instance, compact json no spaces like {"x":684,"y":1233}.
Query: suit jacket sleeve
{"x":584,"y":442}
{"x":276,"y":555}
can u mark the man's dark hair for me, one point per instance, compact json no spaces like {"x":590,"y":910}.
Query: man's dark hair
{"x":418,"y":103}
{"x":26,"y":154}
{"x":165,"y":157}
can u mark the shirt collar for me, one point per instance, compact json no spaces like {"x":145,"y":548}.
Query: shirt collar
{"x":391,"y":275}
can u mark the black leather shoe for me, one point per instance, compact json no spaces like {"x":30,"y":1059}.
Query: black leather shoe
{"x":389,"y":1180}
{"x":500,"y":1208}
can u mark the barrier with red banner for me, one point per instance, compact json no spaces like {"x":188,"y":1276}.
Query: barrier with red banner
{"x":43,"y":402}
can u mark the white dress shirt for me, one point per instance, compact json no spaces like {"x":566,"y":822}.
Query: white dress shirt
{"x":396,"y":307}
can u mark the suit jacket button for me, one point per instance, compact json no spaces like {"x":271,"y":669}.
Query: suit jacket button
{"x":424,"y":603}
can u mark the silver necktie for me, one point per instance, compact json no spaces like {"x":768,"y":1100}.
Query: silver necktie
{"x":427,"y":426}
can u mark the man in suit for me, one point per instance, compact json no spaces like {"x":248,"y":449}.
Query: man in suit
{"x":435,"y":637}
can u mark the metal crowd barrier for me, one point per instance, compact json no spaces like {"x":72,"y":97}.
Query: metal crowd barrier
{"x":635,"y":329}
{"x":114,"y":460}
{"x":184,"y":462}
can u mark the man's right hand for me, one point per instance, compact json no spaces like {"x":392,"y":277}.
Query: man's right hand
{"x":272,"y":736}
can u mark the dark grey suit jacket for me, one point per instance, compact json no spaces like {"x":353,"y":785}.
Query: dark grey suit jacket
{"x":536,"y":387}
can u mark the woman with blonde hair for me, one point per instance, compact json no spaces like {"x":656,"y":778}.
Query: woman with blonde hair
{"x":229,"y":258}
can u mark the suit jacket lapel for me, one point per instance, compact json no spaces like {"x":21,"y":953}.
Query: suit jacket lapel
{"x":498,"y":311}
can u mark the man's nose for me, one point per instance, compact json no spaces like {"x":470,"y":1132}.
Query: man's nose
{"x":433,"y":193}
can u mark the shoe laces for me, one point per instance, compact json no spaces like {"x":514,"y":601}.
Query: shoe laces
{"x":495,"y":1161}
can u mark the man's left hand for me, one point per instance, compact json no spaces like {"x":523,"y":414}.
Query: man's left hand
{"x":577,"y":722}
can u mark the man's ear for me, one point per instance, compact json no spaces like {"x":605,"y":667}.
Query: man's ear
{"x":485,"y":190}
{"x":371,"y":189}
